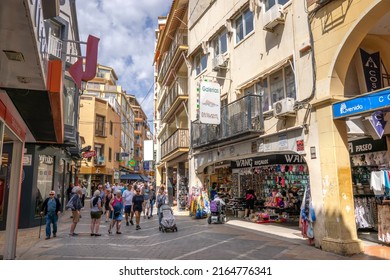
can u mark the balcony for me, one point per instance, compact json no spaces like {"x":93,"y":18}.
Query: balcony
{"x":99,"y":161}
{"x":240,"y":118}
{"x":177,"y":93}
{"x":179,"y":43}
{"x":176,"y":144}
{"x":55,"y":47}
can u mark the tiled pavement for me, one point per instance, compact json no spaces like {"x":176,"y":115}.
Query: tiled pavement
{"x":195,"y":240}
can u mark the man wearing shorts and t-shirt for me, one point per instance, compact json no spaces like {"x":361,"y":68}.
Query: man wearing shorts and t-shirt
{"x":128,"y":200}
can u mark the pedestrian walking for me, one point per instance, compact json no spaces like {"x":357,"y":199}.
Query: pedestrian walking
{"x":152,"y":200}
{"x":51,"y":208}
{"x":75,"y":204}
{"x":69,"y":191}
{"x":108,"y":197}
{"x":116,"y":206}
{"x":138,"y":203}
{"x":96,"y":213}
{"x":128,"y":195}
{"x":146,"y":207}
{"x":161,"y":200}
{"x":84,"y":185}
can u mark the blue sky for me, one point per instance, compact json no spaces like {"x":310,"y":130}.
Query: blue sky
{"x":126,"y":29}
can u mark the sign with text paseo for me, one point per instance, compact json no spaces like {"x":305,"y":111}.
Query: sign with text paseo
{"x":210,"y":103}
{"x":362,"y":104}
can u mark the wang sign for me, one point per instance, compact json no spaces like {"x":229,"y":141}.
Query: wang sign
{"x":210,"y":103}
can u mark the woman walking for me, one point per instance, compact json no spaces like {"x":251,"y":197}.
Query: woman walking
{"x":107,"y":199}
{"x":138,"y":203}
{"x":161,"y":200}
{"x":96,"y":213}
{"x":116,"y":206}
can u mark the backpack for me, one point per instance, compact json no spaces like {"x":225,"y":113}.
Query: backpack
{"x":70,"y":204}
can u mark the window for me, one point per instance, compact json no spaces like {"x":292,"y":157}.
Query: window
{"x":99,"y":126}
{"x":109,"y":154}
{"x":99,"y":149}
{"x":200,"y":63}
{"x":277,"y":86}
{"x":111,"y":127}
{"x":220,"y":44}
{"x":244,"y":25}
{"x":270,"y":3}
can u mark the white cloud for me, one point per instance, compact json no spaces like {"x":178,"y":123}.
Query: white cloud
{"x":126,"y":29}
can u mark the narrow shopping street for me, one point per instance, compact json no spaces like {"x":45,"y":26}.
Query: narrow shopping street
{"x":195,"y":240}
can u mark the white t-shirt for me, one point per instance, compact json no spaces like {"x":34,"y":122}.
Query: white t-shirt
{"x":128,"y":197}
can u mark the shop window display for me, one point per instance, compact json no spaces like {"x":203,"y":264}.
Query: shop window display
{"x":279,"y":189}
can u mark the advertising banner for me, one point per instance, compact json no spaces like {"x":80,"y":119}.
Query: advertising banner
{"x":210,"y":103}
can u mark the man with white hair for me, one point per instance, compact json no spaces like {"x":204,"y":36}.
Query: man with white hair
{"x":51,"y":208}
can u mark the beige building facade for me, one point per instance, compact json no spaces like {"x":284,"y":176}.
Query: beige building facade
{"x":171,"y":103}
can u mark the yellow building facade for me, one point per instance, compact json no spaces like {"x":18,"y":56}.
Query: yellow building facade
{"x":351,"y":49}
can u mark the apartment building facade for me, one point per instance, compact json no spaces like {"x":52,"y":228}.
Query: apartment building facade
{"x":171,"y":103}
{"x":107,"y":127}
{"x":141,"y":168}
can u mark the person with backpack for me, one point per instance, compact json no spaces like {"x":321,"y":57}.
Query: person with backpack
{"x":75,"y":205}
{"x":161,"y":200}
{"x":96,"y":213}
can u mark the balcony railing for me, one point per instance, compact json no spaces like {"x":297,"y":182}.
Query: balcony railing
{"x":180,"y":39}
{"x":55,"y":46}
{"x":243,"y":116}
{"x":179,"y":139}
{"x":178,"y":89}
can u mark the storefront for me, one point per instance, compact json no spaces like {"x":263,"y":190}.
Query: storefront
{"x":371,"y":188}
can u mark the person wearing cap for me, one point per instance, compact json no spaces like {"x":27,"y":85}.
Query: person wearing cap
{"x":51,"y":208}
{"x":84,"y":185}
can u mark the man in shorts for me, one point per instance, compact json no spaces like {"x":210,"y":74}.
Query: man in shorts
{"x":146,"y":208}
{"x":128,"y":200}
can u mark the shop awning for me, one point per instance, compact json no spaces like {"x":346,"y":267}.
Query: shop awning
{"x":145,"y":178}
{"x":134,"y":177}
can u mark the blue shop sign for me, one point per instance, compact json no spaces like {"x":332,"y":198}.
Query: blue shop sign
{"x":362,"y":104}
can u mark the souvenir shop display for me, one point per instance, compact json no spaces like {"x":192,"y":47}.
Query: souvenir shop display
{"x":182,"y":194}
{"x":371,"y":190}
{"x":199,"y":203}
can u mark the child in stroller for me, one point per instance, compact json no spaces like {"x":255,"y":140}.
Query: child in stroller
{"x":167,"y":219}
{"x":217,"y":215}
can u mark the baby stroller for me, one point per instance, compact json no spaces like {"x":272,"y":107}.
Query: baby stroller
{"x":217,"y":215}
{"x":168,"y":221}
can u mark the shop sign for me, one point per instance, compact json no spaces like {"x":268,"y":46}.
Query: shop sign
{"x":77,"y":69}
{"x":116,"y":175}
{"x":366,"y":145}
{"x":362,"y":104}
{"x":378,"y":123}
{"x":210,"y":103}
{"x":268,"y":160}
{"x":27,"y":160}
{"x":372,"y":70}
{"x":89,"y":154}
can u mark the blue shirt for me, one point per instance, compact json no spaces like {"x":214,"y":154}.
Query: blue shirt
{"x":51,"y":205}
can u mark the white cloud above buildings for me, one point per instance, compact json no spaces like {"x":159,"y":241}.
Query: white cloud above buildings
{"x":126,"y":29}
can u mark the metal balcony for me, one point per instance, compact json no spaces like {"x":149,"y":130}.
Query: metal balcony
{"x":239,"y":118}
{"x":177,"y":92}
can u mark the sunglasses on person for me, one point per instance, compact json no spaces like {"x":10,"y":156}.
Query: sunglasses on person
{"x":51,"y":194}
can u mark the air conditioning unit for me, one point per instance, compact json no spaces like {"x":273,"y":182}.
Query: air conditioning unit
{"x":284,"y":107}
{"x":273,"y":17}
{"x":219,"y":62}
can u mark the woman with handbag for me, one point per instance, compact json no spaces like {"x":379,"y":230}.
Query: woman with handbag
{"x":116,"y":206}
{"x":96,"y":213}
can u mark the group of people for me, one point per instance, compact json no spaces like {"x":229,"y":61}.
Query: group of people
{"x":121,"y":201}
